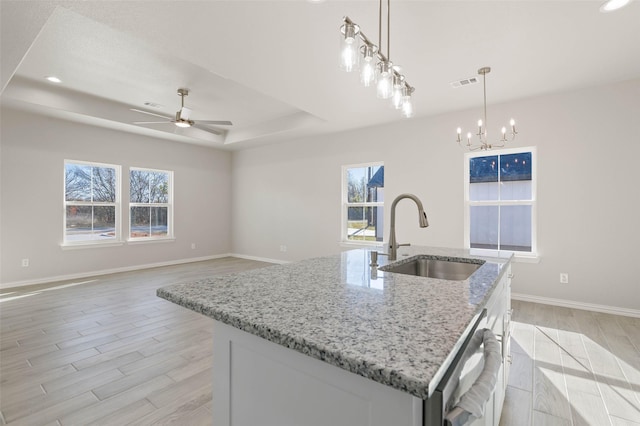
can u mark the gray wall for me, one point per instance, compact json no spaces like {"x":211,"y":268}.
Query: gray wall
{"x":33,"y":150}
{"x":588,"y":152}
{"x":289,"y":194}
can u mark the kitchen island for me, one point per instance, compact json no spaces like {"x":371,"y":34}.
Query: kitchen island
{"x":332,"y":340}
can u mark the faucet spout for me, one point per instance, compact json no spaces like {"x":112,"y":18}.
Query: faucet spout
{"x":422,"y":221}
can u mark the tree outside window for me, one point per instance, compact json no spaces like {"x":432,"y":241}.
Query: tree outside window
{"x":363,"y":202}
{"x":150,"y":203}
{"x":91,"y":202}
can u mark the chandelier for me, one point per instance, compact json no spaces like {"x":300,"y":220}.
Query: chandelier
{"x":374,"y":66}
{"x":483,"y":143}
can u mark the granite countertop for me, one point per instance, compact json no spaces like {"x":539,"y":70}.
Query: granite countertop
{"x":396,"y":329}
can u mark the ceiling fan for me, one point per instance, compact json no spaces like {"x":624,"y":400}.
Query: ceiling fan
{"x":182,"y":117}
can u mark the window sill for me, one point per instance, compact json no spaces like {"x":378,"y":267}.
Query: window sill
{"x":517,"y":257}
{"x":90,"y":245}
{"x":531,"y":258}
{"x":361,"y":244}
{"x":151,"y":240}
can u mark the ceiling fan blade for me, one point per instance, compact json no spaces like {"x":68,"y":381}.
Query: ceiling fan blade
{"x":198,"y":133}
{"x":216,"y":122}
{"x":151,"y":113}
{"x":151,"y":122}
{"x":208,"y":129}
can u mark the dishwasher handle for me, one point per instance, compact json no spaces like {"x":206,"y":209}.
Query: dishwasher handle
{"x":473,"y":402}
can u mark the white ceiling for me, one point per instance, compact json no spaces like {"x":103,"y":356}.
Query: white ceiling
{"x":271,"y":67}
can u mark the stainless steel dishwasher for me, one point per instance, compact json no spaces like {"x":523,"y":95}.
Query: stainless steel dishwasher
{"x":468,"y":382}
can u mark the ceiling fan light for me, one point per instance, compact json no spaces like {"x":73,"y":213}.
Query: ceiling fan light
{"x":611,"y":5}
{"x":183,"y":124}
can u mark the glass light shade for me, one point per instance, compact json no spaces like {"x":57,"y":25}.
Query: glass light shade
{"x":349,"y":47}
{"x":396,"y":98}
{"x":367,"y":73}
{"x":367,"y":66}
{"x":384,"y":80}
{"x":407,"y":107}
{"x":398,"y":93}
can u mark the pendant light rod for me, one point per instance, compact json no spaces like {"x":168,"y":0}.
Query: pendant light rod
{"x":388,"y":28}
{"x":484,"y":71}
{"x":380,"y":24}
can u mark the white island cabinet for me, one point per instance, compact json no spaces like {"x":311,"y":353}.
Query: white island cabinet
{"x":333,"y":341}
{"x":257,"y":382}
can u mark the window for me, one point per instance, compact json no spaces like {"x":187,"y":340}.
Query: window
{"x":363,"y":202}
{"x":92,"y":202}
{"x":151,"y":204}
{"x":500,"y":196}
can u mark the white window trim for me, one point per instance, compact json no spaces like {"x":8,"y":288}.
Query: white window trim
{"x":525,"y":257}
{"x":170,"y":234}
{"x":345,"y":207}
{"x":117,"y":241}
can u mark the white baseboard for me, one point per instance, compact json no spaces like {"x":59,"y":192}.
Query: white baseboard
{"x":577,"y":305}
{"x":110,"y":271}
{"x":259,"y":259}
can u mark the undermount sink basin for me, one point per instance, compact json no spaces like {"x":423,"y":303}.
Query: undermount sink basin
{"x":435,"y":268}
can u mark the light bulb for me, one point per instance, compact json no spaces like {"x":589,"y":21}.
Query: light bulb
{"x":459,"y":131}
{"x":349,"y":49}
{"x":384,"y":83}
{"x":368,"y":70}
{"x":367,"y":73}
{"x":397,"y":98}
{"x":479,"y":123}
{"x":407,"y":107}
{"x":612,"y":5}
{"x":183,"y":124}
{"x":348,"y":58}
{"x":512,"y":122}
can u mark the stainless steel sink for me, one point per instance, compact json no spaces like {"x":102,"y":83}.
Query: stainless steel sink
{"x":435,"y":268}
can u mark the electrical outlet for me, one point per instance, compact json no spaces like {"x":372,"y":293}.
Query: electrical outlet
{"x":25,"y":263}
{"x":193,"y":246}
{"x":564,"y":278}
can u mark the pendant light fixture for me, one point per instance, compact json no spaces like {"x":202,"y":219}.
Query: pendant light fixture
{"x":483,"y":143}
{"x":374,"y":66}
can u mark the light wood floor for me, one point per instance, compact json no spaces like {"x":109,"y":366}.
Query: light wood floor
{"x":108,"y":351}
{"x":572,"y":367}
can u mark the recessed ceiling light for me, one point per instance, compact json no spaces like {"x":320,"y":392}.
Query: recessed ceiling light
{"x":611,"y":5}
{"x":53,"y":79}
